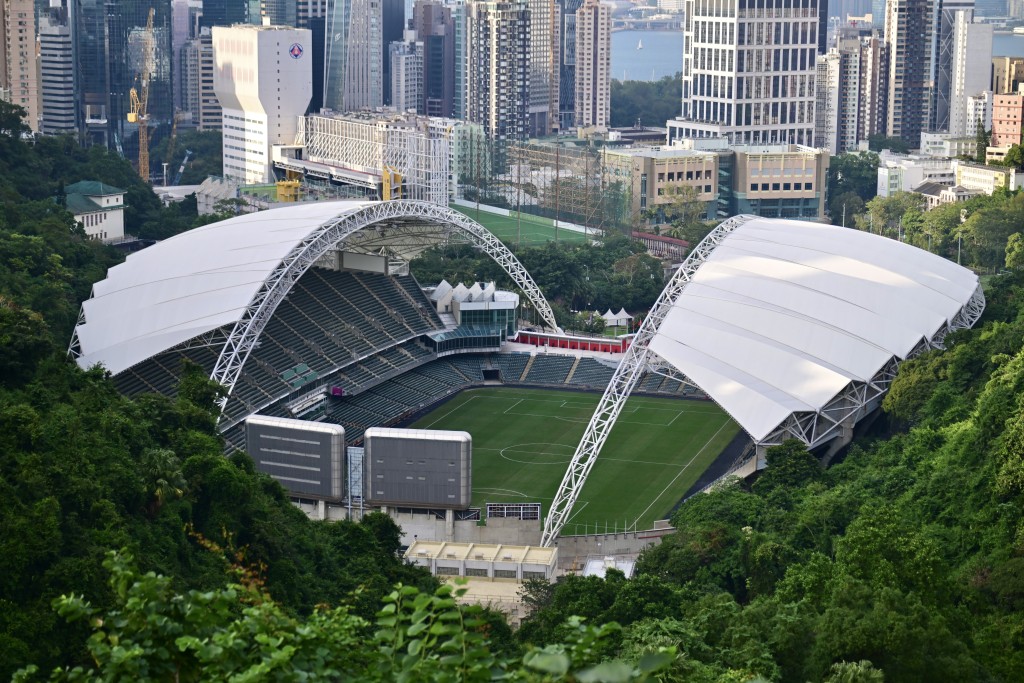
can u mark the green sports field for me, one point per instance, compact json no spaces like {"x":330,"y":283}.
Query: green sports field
{"x":524,"y":438}
{"x":530,"y":230}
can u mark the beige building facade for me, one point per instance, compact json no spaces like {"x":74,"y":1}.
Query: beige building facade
{"x":593,"y":65}
{"x":656,"y":177}
{"x":19,"y":65}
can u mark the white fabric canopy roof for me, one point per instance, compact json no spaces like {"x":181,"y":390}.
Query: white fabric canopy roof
{"x":783,"y":315}
{"x":191,"y":284}
{"x":620,"y":318}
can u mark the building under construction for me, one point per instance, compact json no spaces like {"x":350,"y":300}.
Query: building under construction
{"x":564,"y":180}
{"x":389,"y":156}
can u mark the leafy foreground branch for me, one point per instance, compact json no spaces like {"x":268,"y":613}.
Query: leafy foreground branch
{"x":237,"y":633}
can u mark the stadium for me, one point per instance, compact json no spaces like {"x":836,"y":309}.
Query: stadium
{"x":309,"y":313}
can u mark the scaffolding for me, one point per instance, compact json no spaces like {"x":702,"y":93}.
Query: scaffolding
{"x":370,"y":147}
{"x":564,"y":181}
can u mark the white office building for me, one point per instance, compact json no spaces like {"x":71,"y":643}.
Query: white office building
{"x":407,"y":74}
{"x":749,"y":71}
{"x":904,"y":172}
{"x":971,"y":71}
{"x":263,"y":80}
{"x":56,"y":77}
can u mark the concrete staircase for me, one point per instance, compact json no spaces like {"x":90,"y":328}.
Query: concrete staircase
{"x":526,"y":370}
{"x":572,"y":371}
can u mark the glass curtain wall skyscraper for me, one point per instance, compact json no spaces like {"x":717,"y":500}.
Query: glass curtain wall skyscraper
{"x":567,"y":62}
{"x":353,"y":57}
{"x":110,"y":47}
{"x":392,"y":27}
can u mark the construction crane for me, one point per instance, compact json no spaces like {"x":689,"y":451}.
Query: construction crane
{"x":169,"y":155}
{"x":181,"y":169}
{"x":140,"y":98}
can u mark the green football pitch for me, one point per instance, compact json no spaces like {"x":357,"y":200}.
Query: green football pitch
{"x":529,"y":230}
{"x":524,"y":438}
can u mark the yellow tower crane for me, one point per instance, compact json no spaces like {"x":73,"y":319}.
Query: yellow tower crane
{"x":140,"y":99}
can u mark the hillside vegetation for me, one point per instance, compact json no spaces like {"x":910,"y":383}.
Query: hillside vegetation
{"x":84,"y":470}
{"x":132,"y":549}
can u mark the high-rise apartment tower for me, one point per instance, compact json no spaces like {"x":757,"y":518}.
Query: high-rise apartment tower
{"x":593,"y":64}
{"x":19,"y":76}
{"x":498,"y":45}
{"x":435,"y":28}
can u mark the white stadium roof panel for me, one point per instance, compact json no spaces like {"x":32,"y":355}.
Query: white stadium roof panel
{"x":781,"y":316}
{"x":226,"y":279}
{"x":193,"y":283}
{"x":794,"y":328}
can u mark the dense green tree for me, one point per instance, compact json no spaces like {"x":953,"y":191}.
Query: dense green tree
{"x":789,"y":465}
{"x":983,"y":138}
{"x":987,"y":231}
{"x":879,"y":142}
{"x":205,"y":160}
{"x":649,"y":103}
{"x":616,"y":273}
{"x":851,"y":175}
{"x":151,"y":632}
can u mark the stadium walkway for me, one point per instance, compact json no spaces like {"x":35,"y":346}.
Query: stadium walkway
{"x":611,"y":359}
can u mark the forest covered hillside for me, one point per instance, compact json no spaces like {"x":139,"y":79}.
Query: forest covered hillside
{"x":132,"y":549}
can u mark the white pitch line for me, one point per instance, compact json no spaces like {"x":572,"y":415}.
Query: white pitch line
{"x":584,"y":420}
{"x":674,"y":418}
{"x":512,"y":406}
{"x":577,"y":512}
{"x":450,"y":412}
{"x":507,"y":492}
{"x":710,"y":439}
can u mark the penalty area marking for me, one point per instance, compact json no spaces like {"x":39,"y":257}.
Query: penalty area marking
{"x":683,"y":469}
{"x":504,"y":492}
{"x":450,"y":412}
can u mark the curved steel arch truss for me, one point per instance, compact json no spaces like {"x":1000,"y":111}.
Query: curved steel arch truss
{"x":247,"y":330}
{"x":634,"y":362}
{"x":813,"y":427}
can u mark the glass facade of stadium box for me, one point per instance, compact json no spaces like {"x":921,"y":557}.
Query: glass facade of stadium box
{"x":468,"y":338}
{"x":481,"y":305}
{"x":499,"y":310}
